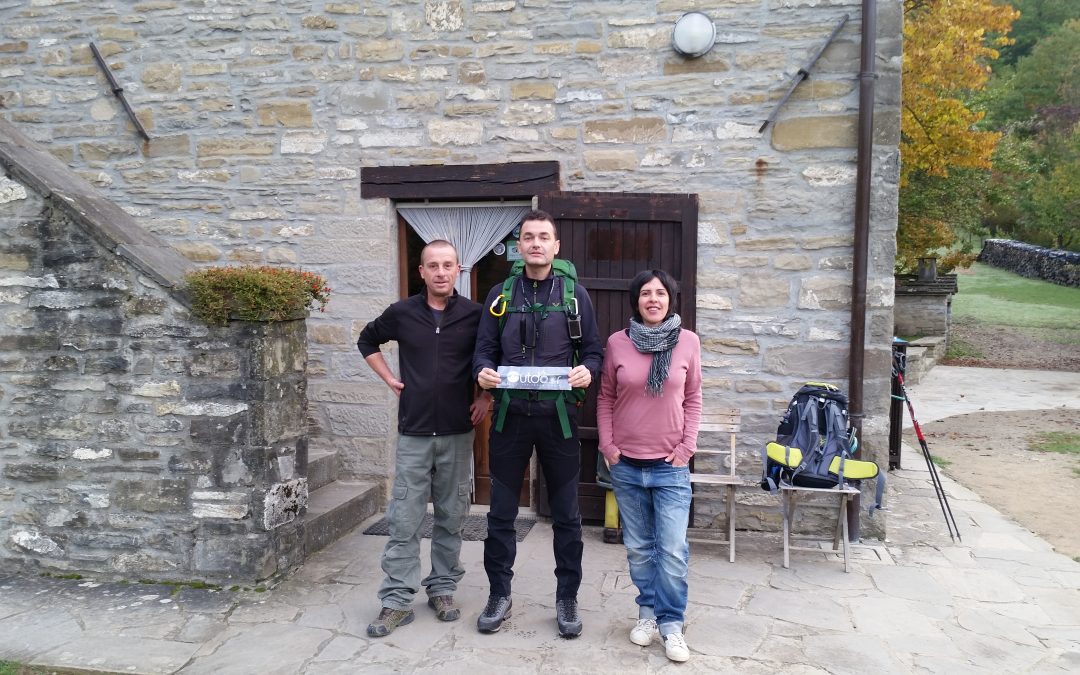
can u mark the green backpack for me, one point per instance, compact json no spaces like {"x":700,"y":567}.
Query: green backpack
{"x":568,"y":305}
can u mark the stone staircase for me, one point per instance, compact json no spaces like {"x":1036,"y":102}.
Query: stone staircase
{"x":922,"y":355}
{"x":334,"y":506}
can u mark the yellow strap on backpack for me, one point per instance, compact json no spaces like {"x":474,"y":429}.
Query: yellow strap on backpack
{"x":781,"y":454}
{"x":854,"y":469}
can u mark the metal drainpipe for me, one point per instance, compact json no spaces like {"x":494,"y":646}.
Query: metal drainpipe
{"x":864,"y":169}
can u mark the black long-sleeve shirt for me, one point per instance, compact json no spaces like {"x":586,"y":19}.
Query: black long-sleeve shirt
{"x":435,"y":362}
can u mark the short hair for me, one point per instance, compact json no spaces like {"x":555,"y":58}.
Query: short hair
{"x":435,"y":243}
{"x":645,"y":277}
{"x":537,"y":214}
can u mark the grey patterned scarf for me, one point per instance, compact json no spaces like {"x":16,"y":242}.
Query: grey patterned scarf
{"x":659,"y":342}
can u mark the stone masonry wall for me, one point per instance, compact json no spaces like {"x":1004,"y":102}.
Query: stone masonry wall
{"x":134,"y":440}
{"x":262,"y":112}
{"x":1036,"y":262}
{"x":922,"y":314}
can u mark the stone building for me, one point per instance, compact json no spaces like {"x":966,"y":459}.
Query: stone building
{"x":315,"y":134}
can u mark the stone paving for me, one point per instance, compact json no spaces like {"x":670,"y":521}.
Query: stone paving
{"x":1002,"y":600}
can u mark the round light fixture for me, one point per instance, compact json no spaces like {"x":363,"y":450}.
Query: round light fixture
{"x":694,"y":35}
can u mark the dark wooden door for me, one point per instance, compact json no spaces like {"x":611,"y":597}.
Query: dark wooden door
{"x":610,"y":237}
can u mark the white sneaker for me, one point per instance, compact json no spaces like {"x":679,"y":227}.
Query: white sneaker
{"x":675,"y":646}
{"x":642,"y":634}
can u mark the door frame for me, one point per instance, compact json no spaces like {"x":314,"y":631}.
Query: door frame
{"x":457,"y":183}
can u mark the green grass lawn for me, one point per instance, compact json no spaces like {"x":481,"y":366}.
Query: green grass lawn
{"x":1062,"y":442}
{"x":995,"y":296}
{"x":12,"y":668}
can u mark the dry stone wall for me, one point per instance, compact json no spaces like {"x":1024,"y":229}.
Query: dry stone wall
{"x":262,"y":113}
{"x":1036,"y":262}
{"x":134,"y":440}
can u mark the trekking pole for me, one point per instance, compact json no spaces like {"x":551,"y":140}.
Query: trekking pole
{"x":943,"y":500}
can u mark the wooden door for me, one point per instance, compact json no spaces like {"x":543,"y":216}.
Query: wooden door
{"x":610,"y":237}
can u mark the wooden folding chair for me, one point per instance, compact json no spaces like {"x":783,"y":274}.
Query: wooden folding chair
{"x":724,"y":420}
{"x":789,"y":501}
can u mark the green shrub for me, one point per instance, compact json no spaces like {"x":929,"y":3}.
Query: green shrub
{"x":255,"y":293}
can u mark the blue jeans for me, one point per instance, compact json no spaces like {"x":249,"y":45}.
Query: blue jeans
{"x":654,"y":504}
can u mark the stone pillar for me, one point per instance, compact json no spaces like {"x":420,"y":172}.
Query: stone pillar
{"x":250,"y":527}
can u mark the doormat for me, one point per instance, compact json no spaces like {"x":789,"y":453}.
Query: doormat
{"x":475,"y":528}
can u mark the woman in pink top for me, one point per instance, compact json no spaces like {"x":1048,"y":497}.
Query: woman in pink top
{"x":648,"y":415}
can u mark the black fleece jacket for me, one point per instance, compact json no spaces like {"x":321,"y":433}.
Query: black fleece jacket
{"x":435,"y":360}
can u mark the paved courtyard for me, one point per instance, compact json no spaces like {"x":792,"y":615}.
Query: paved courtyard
{"x":1000,"y":601}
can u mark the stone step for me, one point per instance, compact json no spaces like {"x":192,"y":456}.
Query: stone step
{"x":919,"y":361}
{"x":321,"y":469}
{"x":336,"y":508}
{"x":935,"y":344}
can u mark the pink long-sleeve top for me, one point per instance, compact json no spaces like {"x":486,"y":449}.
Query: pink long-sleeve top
{"x":637,"y":425}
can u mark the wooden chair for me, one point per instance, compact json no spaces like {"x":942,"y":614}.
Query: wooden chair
{"x":725,"y":420}
{"x":789,"y":501}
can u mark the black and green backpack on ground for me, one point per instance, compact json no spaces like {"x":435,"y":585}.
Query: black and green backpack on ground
{"x":815,"y":445}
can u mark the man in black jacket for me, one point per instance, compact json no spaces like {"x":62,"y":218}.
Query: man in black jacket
{"x":536,"y":331}
{"x":436,"y":332}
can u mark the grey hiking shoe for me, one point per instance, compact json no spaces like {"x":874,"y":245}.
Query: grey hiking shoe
{"x":444,"y":608}
{"x":566,"y":615}
{"x":495,"y":612}
{"x":388,"y":620}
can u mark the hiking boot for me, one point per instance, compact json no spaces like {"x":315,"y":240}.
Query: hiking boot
{"x":566,"y":615}
{"x":444,"y":608}
{"x":643,"y":633}
{"x":495,"y":612}
{"x":388,"y":620}
{"x":675,"y":647}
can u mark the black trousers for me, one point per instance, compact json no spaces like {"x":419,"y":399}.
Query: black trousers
{"x":560,"y":460}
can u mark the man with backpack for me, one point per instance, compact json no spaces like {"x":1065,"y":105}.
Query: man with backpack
{"x":436,"y":332}
{"x":538,"y":317}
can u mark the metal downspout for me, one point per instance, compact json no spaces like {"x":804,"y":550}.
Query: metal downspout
{"x":863,"y":174}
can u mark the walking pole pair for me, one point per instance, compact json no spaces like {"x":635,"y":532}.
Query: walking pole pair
{"x":943,"y":501}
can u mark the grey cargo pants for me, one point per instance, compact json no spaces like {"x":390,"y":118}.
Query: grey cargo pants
{"x":439,"y":466}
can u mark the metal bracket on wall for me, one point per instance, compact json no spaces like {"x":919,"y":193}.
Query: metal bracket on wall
{"x":118,"y":91}
{"x":804,"y":72}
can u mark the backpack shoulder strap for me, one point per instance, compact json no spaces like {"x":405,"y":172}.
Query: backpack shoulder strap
{"x":566,"y":270}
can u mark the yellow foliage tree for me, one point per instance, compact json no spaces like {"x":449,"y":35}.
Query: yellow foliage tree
{"x":948,"y":45}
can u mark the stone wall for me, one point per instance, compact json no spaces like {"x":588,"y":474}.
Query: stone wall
{"x":261,"y":114}
{"x":134,"y":440}
{"x":1036,"y":262}
{"x":922,"y":315}
{"x":923,"y":307}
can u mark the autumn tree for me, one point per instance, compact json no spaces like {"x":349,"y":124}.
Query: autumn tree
{"x":948,"y":45}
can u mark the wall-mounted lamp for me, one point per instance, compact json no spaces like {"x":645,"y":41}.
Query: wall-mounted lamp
{"x":694,"y":35}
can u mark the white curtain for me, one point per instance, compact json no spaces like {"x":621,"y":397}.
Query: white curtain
{"x":473,"y":229}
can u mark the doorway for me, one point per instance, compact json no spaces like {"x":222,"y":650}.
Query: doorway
{"x":490,"y":270}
